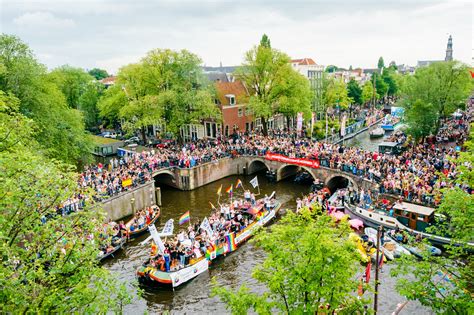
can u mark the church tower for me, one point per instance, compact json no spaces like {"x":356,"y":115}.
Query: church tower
{"x":449,"y":50}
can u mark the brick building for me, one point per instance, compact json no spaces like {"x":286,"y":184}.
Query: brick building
{"x":232,"y":98}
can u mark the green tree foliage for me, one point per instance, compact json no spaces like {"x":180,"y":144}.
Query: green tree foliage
{"x":444,"y":283}
{"x":380,"y":63}
{"x":381,"y":87}
{"x":331,"y":69}
{"x":390,"y":77}
{"x":265,"y":41}
{"x":421,"y":120}
{"x":72,"y":82}
{"x":310,"y":264}
{"x":367,"y":92}
{"x":48,"y":266}
{"x":273,"y":85}
{"x":354,"y":91}
{"x":444,"y":85}
{"x":335,"y":93}
{"x":98,"y":74}
{"x":164,"y":87}
{"x":61,"y":129}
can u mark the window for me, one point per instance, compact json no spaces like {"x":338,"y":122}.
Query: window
{"x":248,"y":111}
{"x":226,"y":132}
{"x":240,"y":112}
{"x":216,"y":101}
{"x":232,"y":100}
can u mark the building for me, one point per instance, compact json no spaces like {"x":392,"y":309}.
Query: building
{"x":232,"y":98}
{"x":448,"y":56}
{"x":314,"y":73}
{"x":109,"y":81}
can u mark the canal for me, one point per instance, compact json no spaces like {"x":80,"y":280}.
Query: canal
{"x":232,"y":271}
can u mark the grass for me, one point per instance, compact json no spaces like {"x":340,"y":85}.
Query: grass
{"x":101,"y":140}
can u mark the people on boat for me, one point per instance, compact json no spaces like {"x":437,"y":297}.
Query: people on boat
{"x":193,"y":242}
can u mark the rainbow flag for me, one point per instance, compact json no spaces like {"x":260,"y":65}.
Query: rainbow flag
{"x":229,"y":190}
{"x":230,"y":242}
{"x":239,"y":183}
{"x":184,"y":218}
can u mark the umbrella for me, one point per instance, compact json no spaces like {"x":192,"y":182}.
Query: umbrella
{"x":338,"y":215}
{"x":356,"y":223}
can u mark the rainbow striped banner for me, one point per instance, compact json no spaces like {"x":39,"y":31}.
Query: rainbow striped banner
{"x":230,"y":238}
{"x":184,"y":218}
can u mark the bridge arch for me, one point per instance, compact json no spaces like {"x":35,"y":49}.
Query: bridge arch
{"x":165,"y":177}
{"x":256,"y":165}
{"x":339,"y":181}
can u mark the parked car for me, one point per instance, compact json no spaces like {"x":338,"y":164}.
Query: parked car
{"x":132,"y":140}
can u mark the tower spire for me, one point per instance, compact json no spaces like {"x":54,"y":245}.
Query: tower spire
{"x":449,"y":49}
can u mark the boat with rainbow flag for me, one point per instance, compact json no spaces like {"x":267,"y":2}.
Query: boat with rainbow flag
{"x":153,"y":272}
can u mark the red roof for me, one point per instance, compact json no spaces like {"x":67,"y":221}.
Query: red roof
{"x":236,"y":88}
{"x":304,"y":61}
{"x":108,"y":80}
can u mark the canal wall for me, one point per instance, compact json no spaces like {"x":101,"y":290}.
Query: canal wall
{"x":124,"y":204}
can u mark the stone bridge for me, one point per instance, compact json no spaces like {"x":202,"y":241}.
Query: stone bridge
{"x":189,"y":179}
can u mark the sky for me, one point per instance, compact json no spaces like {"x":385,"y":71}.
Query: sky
{"x":112,"y":33}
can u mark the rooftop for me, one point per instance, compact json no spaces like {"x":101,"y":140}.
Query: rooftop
{"x":304,"y":61}
{"x":410,"y":207}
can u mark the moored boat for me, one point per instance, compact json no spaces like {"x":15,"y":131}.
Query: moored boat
{"x":377,"y":133}
{"x":109,"y":250}
{"x":136,"y":228}
{"x":156,"y":271}
{"x":411,"y":218}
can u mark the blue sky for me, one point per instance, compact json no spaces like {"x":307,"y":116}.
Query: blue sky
{"x":113,"y":33}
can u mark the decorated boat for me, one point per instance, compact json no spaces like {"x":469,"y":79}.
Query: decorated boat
{"x":152,"y":272}
{"x":409,"y":217}
{"x":133,"y":231}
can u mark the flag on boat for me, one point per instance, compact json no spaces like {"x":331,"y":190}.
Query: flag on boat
{"x":184,"y":218}
{"x":156,"y":238}
{"x":239,"y":184}
{"x":254,"y":182}
{"x":212,"y":206}
{"x":367,"y":272}
{"x":230,"y":242}
{"x":168,"y":228}
{"x":219,"y":190}
{"x":211,"y":252}
{"x":229,"y":190}
{"x":206,"y":226}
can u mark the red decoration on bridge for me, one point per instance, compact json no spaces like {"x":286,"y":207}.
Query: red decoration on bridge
{"x":296,"y":161}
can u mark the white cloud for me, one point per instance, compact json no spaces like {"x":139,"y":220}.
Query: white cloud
{"x":41,"y":19}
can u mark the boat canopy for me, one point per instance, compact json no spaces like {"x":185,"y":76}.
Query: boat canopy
{"x":388,"y":144}
{"x":410,"y":207}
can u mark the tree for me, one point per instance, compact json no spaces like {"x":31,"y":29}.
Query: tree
{"x":72,"y":82}
{"x":61,"y":131}
{"x":87,"y":104}
{"x":367,"y":92}
{"x":271,"y":82}
{"x":310,"y":265}
{"x":381,"y":87}
{"x":421,"y":119}
{"x":164,"y":87}
{"x":265,"y":41}
{"x":296,"y":96}
{"x":331,"y":69}
{"x":98,"y":74}
{"x":380,"y":63}
{"x":445,"y":283}
{"x":354,"y":91}
{"x":389,"y":77}
{"x":49,"y":262}
{"x":444,"y":85}
{"x":335,"y":93}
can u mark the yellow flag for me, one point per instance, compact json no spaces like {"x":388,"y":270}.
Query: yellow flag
{"x":219,"y":190}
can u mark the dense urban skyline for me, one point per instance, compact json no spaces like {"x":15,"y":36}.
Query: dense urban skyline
{"x":110,"y":34}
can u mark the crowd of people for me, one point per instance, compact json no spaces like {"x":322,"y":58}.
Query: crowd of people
{"x":414,"y":174}
{"x":196,"y":240}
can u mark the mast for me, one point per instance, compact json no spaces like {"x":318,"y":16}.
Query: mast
{"x":376,"y":293}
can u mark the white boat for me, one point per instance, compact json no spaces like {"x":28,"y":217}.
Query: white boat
{"x":390,"y":248}
{"x":414,"y":216}
{"x":417,"y":249}
{"x":377,"y":133}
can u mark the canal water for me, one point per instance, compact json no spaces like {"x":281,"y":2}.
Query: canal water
{"x":231,"y":271}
